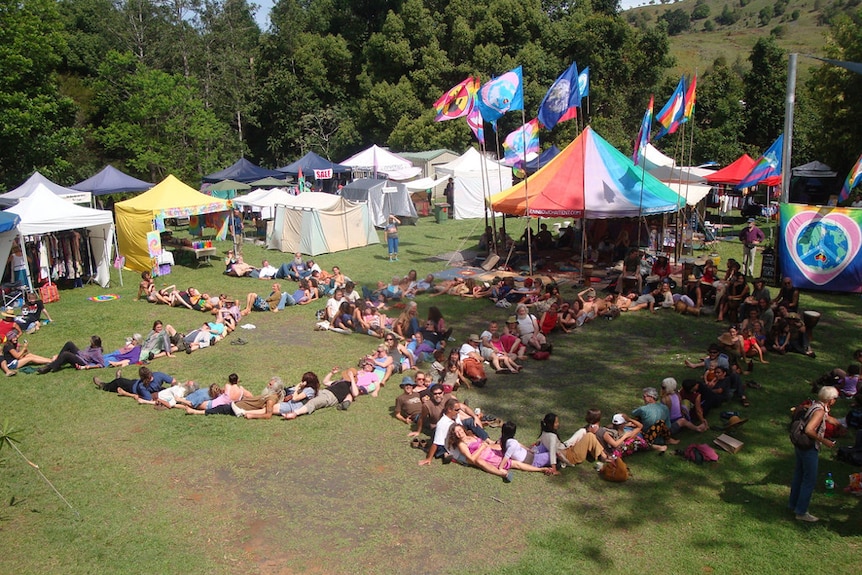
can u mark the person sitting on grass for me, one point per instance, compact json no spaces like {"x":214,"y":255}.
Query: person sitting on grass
{"x":338,"y":394}
{"x":402,"y":358}
{"x":81,"y":359}
{"x":158,"y":342}
{"x":679,"y":416}
{"x":146,"y":288}
{"x":624,"y":437}
{"x":478,"y":453}
{"x":513,"y":450}
{"x":582,"y":446}
{"x":472,"y":362}
{"x":654,"y":416}
{"x":16,"y":356}
{"x":148,"y":383}
{"x":408,"y":405}
{"x":453,"y":412}
{"x":264,"y":404}
{"x":8,"y":323}
{"x":31,"y":313}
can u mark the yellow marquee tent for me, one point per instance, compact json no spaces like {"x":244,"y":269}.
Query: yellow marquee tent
{"x":169,"y":199}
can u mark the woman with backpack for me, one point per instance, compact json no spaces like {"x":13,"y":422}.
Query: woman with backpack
{"x":805,"y":473}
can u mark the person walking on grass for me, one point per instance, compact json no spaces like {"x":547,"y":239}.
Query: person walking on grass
{"x":392,"y":237}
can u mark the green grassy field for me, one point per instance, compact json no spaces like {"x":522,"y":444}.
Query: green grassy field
{"x":341,"y":492}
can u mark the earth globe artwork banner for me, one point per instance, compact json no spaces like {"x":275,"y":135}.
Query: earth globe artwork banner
{"x":820,"y":247}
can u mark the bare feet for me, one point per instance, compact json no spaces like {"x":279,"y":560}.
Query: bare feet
{"x":290,"y":415}
{"x":659,"y":448}
{"x":672,"y":441}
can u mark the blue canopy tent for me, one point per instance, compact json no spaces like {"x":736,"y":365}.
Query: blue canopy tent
{"x":242,"y":171}
{"x":111,"y":181}
{"x":311,"y":163}
{"x":315,"y":166}
{"x":542,"y":160}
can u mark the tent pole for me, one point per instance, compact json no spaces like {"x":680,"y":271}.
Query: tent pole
{"x":117,"y":249}
{"x":526,"y":192}
{"x":23,"y":245}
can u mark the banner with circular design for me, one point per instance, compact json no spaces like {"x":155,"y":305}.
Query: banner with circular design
{"x":820,"y":247}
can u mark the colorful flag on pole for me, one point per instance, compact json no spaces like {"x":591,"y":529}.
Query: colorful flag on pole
{"x":501,"y":95}
{"x":768,"y":165}
{"x":562,"y":100}
{"x":852,"y":180}
{"x":458,"y":101}
{"x":689,"y":101}
{"x":583,"y":84}
{"x":523,"y":141}
{"x":300,"y":181}
{"x":477,"y":124}
{"x":643,"y":133}
{"x":669,"y":117}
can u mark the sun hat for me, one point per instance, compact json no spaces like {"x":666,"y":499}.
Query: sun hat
{"x":8,"y":313}
{"x":511,"y":319}
{"x":474,"y":337}
{"x":734,"y":421}
{"x":407,"y":381}
{"x":618,"y":419}
{"x":750,"y":220}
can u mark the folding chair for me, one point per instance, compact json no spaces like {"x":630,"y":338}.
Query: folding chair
{"x":13,"y":293}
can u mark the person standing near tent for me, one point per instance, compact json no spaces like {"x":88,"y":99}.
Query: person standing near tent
{"x":750,"y":237}
{"x":236,"y":228}
{"x":449,"y":192}
{"x":392,"y":237}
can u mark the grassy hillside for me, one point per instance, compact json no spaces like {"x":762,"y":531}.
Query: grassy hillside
{"x":802,"y":28}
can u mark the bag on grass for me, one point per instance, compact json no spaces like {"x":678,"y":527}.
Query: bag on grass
{"x":615,"y":470}
{"x":801,"y":415}
{"x":541,"y":355}
{"x":700,"y":452}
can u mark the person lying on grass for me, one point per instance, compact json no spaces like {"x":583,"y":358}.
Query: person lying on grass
{"x":78,"y":358}
{"x":481,"y":454}
{"x":221,"y":404}
{"x":264,"y":404}
{"x":145,"y":387}
{"x":513,"y":450}
{"x":339,"y":393}
{"x":168,"y":397}
{"x":453,"y":412}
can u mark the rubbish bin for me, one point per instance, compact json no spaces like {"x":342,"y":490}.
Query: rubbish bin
{"x":441,"y":212}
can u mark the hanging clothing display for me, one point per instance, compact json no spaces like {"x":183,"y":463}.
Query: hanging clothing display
{"x":59,"y":256}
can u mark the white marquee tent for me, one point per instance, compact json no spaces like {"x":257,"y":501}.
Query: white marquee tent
{"x":264,"y":201}
{"x":43,"y":212}
{"x":378,"y":161}
{"x":12,"y":197}
{"x":467,"y":173}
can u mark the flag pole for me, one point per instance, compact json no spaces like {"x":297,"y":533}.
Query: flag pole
{"x":526,"y":192}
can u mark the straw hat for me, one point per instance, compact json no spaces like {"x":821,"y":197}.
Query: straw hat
{"x":734,"y":421}
{"x":8,"y":313}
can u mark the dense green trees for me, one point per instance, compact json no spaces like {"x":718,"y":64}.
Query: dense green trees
{"x":186,"y":86}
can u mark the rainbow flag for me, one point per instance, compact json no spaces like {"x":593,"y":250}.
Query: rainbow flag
{"x":689,"y":101}
{"x":768,"y":165}
{"x":669,"y":117}
{"x":643,"y":134}
{"x":852,"y":180}
{"x":521,"y":142}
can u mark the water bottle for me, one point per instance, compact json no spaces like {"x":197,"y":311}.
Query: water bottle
{"x":830,"y":485}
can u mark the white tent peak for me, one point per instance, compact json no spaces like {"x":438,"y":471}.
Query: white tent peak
{"x":381,"y":161}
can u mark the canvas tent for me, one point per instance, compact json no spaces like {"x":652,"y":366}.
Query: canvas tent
{"x":589,"y":179}
{"x":43,"y":212}
{"x":316,"y":223}
{"x":12,"y":197}
{"x":242,"y":171}
{"x":170,"y":198}
{"x":111,"y":181}
{"x":467,"y":173}
{"x":377,"y":161}
{"x":383,"y":198}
